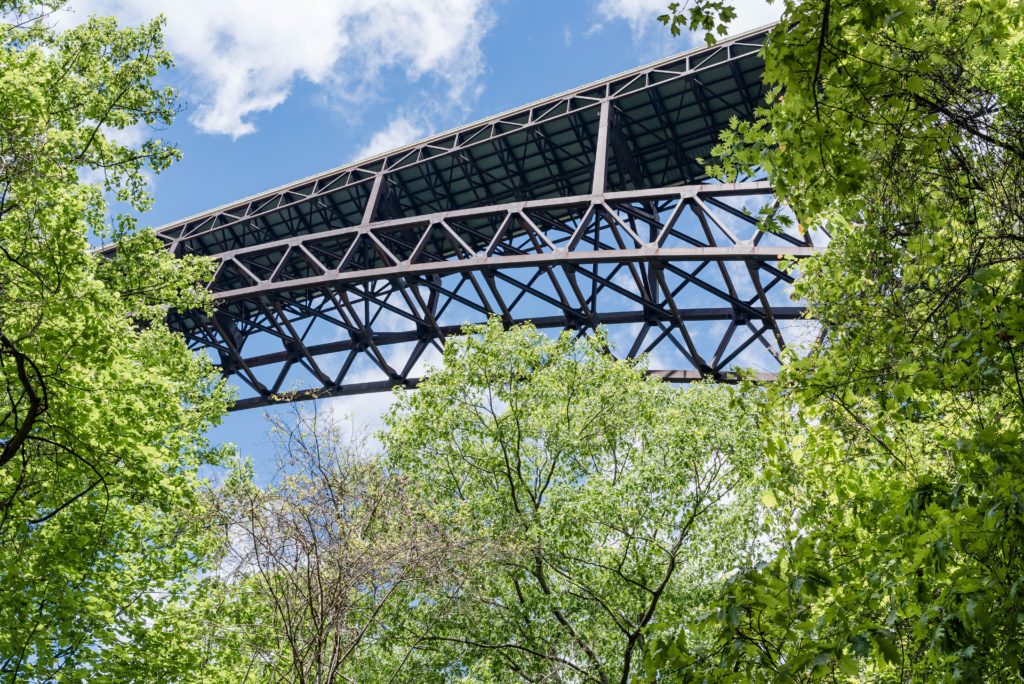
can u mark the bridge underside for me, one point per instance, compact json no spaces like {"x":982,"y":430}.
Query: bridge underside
{"x":587,"y":209}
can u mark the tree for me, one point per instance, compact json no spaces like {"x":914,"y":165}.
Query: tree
{"x":896,"y":456}
{"x":314,"y":559}
{"x":597,"y":502}
{"x":103,"y":408}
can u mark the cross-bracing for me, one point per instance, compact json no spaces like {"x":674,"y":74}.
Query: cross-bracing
{"x":587,"y":209}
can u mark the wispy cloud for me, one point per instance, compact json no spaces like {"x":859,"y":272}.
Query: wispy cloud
{"x":642,"y":15}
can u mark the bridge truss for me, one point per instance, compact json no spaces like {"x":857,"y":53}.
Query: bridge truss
{"x":586,"y":209}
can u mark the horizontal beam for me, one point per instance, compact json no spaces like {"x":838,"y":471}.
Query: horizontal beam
{"x":358,"y":388}
{"x":643,"y":255}
{"x":646,"y":195}
{"x":785,"y":313}
{"x":489,"y":259}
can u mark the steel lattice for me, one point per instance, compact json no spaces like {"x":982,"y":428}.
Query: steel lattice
{"x":587,"y":209}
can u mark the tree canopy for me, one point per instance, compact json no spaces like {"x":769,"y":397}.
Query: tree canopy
{"x":595,"y":500}
{"x":316,"y":561}
{"x":103,"y":408}
{"x":895,"y":461}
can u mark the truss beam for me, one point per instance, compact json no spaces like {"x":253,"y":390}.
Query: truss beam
{"x":686,"y":269}
{"x":583,"y":210}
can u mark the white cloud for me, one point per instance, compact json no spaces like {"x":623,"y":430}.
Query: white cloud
{"x":400,"y":130}
{"x":363,"y":413}
{"x":642,"y":16}
{"x":245,"y":55}
{"x":751,"y":14}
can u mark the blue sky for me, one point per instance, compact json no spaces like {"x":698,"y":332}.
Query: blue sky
{"x":273,"y":92}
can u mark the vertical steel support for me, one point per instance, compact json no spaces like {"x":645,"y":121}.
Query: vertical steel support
{"x":374,"y":199}
{"x":601,"y":153}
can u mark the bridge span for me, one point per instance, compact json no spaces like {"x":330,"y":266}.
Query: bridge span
{"x":590,"y":208}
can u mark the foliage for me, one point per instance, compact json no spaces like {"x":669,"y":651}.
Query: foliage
{"x":710,"y":16}
{"x":597,"y":503}
{"x":102,"y":408}
{"x":896,"y":463}
{"x":313,"y":559}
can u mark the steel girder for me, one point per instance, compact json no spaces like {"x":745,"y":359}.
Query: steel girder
{"x":586,"y":209}
{"x":684,"y":274}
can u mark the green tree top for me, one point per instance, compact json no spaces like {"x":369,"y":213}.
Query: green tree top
{"x":595,"y":502}
{"x":895,"y":464}
{"x":103,"y":408}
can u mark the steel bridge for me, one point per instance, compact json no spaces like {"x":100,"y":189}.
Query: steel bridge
{"x":590,"y":208}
